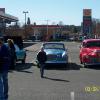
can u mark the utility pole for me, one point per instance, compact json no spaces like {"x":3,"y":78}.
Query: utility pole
{"x":25,"y":12}
{"x":47,"y":29}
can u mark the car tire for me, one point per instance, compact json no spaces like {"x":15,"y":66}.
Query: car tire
{"x":67,"y":66}
{"x":85,"y":66}
{"x":81,"y":62}
{"x":23,"y":61}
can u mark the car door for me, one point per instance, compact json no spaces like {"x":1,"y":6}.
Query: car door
{"x":83,"y":50}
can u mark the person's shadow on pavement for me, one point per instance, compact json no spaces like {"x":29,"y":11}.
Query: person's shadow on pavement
{"x":55,"y":79}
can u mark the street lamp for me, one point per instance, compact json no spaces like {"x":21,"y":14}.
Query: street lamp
{"x":47,"y":29}
{"x":25,"y":12}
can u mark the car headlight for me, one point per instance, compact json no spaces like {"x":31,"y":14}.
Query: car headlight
{"x":87,"y":56}
{"x":64,"y":54}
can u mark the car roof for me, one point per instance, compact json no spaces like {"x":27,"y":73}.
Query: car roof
{"x":53,"y":43}
{"x":90,"y":40}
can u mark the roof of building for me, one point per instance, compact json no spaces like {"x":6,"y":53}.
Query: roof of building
{"x":45,"y":26}
{"x":8,"y":17}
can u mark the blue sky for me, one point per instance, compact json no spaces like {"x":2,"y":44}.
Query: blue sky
{"x":68,"y":11}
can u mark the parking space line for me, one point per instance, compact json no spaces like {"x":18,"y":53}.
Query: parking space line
{"x":72,"y":94}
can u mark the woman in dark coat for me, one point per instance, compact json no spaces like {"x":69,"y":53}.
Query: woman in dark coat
{"x":12,"y":53}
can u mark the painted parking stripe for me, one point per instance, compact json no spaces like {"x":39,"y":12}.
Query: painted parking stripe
{"x":72,"y":94}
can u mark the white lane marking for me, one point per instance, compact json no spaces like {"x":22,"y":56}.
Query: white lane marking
{"x":72,"y":95}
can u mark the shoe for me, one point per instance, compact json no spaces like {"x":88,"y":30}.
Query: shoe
{"x":42,"y":76}
{"x":6,"y":97}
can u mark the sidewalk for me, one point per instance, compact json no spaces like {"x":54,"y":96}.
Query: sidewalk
{"x":34,"y":47}
{"x":33,"y":50}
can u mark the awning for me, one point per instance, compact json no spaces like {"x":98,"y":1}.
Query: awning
{"x":8,"y":17}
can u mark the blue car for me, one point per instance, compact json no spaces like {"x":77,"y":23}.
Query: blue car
{"x":20,"y":54}
{"x":56,"y":53}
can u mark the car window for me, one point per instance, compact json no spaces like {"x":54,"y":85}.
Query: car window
{"x":16,"y":47}
{"x":93,"y":44}
{"x":53,"y":46}
{"x":84,"y":44}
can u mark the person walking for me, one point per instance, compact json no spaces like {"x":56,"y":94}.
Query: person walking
{"x":42,"y":57}
{"x":12,"y":53}
{"x":4,"y":67}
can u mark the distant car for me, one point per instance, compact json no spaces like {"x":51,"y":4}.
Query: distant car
{"x":90,"y":52}
{"x":71,"y":39}
{"x":56,"y":53}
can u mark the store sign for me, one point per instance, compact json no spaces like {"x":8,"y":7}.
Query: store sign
{"x":87,"y":18}
{"x":87,"y":22}
{"x":86,"y":12}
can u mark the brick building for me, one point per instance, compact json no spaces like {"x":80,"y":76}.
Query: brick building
{"x":47,"y":32}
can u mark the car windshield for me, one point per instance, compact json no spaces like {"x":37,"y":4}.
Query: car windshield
{"x":53,"y":46}
{"x":93,"y":44}
{"x":16,"y":47}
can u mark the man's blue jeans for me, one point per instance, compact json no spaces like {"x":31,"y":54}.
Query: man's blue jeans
{"x":4,"y":86}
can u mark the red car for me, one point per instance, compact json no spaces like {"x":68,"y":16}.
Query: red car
{"x":90,"y":52}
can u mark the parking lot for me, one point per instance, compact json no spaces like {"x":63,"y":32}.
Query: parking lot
{"x":73,"y":83}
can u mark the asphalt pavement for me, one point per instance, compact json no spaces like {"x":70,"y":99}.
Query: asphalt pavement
{"x":74,"y":83}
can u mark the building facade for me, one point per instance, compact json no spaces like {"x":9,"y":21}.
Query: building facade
{"x":47,"y":32}
{"x":5,"y":19}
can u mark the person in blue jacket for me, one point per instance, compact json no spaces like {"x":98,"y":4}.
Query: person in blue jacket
{"x":4,"y":67}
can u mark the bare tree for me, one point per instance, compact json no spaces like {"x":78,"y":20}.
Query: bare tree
{"x":28,"y":21}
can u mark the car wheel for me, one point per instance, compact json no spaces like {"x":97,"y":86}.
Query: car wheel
{"x":23,"y":61}
{"x":67,"y":66}
{"x":85,"y":66}
{"x":81,"y":62}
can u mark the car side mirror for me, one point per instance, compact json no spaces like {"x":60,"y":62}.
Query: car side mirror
{"x":80,"y":46}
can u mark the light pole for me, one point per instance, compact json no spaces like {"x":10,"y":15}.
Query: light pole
{"x":25,"y":12}
{"x":47,"y":29}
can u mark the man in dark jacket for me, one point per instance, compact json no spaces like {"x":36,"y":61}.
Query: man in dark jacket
{"x":42,"y":57}
{"x":4,"y":66}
